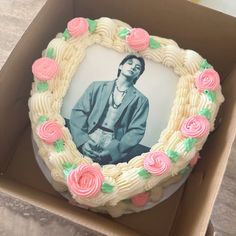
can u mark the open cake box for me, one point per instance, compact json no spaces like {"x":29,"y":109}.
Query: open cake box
{"x":187,"y":212}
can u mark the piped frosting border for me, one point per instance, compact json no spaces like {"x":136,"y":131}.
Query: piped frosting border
{"x":196,"y":104}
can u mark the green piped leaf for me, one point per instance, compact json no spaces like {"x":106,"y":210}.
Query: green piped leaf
{"x":189,"y":143}
{"x":50,"y":53}
{"x":205,"y":65}
{"x":66,"y":34}
{"x":174,"y":156}
{"x":144,"y":174}
{"x":123,"y":33}
{"x":42,"y":119}
{"x":211,"y":95}
{"x":42,"y":86}
{"x":68,"y":167}
{"x":92,"y":25}
{"x":205,"y":112}
{"x":59,"y":145}
{"x":185,"y":170}
{"x":107,"y":188}
{"x":153,"y":43}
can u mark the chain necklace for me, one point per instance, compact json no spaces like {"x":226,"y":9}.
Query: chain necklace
{"x":114,"y":105}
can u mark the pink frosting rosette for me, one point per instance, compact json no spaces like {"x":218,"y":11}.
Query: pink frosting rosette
{"x":138,"y":39}
{"x":157,"y":163}
{"x":195,"y":126}
{"x":140,"y":199}
{"x":208,"y":79}
{"x":49,"y":132}
{"x":85,"y":181}
{"x":77,"y":26}
{"x":45,"y":68}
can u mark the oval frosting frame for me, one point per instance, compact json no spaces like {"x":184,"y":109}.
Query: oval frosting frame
{"x":125,"y":178}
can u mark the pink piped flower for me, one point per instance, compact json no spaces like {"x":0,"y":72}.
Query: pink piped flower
{"x":77,"y":26}
{"x":85,"y":181}
{"x":195,"y":127}
{"x":140,"y":199}
{"x":208,"y":79}
{"x":49,"y":132}
{"x":44,"y":69}
{"x":157,"y":163}
{"x":194,"y":160}
{"x":138,"y":39}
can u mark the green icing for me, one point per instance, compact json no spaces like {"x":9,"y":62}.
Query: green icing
{"x":185,"y":170}
{"x":92,"y":25}
{"x":144,"y":174}
{"x":205,"y":112}
{"x":211,"y":95}
{"x":107,"y":188}
{"x":153,"y":43}
{"x":66,"y":34}
{"x":42,"y":119}
{"x":174,"y":156}
{"x":189,"y":143}
{"x":50,"y":53}
{"x":67,"y":168}
{"x":124,"y":32}
{"x":205,"y":65}
{"x":59,"y":145}
{"x":42,"y":86}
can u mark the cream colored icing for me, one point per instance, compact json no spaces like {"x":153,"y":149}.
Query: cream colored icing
{"x":188,"y":102}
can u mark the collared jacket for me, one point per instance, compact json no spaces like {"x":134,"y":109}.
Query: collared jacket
{"x":130,"y":124}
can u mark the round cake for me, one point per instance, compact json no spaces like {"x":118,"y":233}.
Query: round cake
{"x":107,"y":135}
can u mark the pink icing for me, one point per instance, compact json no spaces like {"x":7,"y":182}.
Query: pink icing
{"x":49,"y":132}
{"x":77,"y":26}
{"x":194,"y":160}
{"x":45,"y":68}
{"x":138,"y":39}
{"x":195,"y":126}
{"x":140,"y":199}
{"x":208,"y":79}
{"x":85,"y":181}
{"x":157,"y":163}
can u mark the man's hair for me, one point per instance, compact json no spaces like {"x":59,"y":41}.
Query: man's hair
{"x":141,"y":60}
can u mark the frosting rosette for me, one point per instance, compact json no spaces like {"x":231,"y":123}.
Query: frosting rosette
{"x":208,"y":79}
{"x":85,"y":181}
{"x":138,"y":39}
{"x":77,"y":26}
{"x":49,"y":132}
{"x":45,"y":68}
{"x":157,"y":163}
{"x":195,"y":126}
{"x":140,"y":199}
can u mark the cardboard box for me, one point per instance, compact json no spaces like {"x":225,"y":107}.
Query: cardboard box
{"x":188,"y":211}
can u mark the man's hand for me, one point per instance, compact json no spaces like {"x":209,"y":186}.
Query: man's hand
{"x":88,"y":151}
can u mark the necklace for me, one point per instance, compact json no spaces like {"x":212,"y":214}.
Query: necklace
{"x":120,"y":91}
{"x":113,"y":103}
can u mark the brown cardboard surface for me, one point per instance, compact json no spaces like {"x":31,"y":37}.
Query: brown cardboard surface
{"x":192,"y":27}
{"x":16,"y":76}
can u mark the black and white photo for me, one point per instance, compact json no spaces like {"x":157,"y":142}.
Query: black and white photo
{"x":110,"y":117}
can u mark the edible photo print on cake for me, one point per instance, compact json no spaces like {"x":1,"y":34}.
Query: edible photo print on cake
{"x":117,"y":104}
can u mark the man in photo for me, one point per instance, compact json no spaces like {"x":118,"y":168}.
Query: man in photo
{"x":109,"y":120}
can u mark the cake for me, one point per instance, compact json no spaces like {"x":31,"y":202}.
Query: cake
{"x":88,"y":156}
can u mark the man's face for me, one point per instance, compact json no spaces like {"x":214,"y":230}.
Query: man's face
{"x":131,"y":68}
